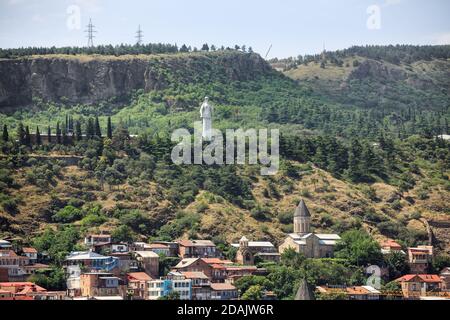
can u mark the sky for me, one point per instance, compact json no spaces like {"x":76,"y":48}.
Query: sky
{"x":292,"y":27}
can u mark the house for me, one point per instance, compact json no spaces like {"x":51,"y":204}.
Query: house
{"x":97,"y":239}
{"x":159,"y":249}
{"x":249,"y":250}
{"x":215,"y":269}
{"x":194,"y":265}
{"x":197,"y":249}
{"x":169,"y":249}
{"x":416,"y":285}
{"x":14,"y":264}
{"x":223,"y":291}
{"x":20,"y":289}
{"x":73,"y":273}
{"x":312,"y":245}
{"x":420,"y":258}
{"x":352,"y":293}
{"x":92,"y":261}
{"x":138,"y":285}
{"x":5,"y":245}
{"x":445,"y":277}
{"x":147,"y":261}
{"x":101,"y":284}
{"x":389,"y":246}
{"x":201,"y":286}
{"x":230,"y":273}
{"x":31,"y":253}
{"x":174,"y":282}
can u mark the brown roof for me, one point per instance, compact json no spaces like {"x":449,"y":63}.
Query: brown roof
{"x":194,"y":275}
{"x":222,"y":286}
{"x":216,"y":261}
{"x":420,"y":277}
{"x":141,"y":276}
{"x":29,"y":250}
{"x":196,"y":243}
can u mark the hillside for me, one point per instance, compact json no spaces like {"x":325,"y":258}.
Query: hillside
{"x":377,"y":166}
{"x":90,"y":79}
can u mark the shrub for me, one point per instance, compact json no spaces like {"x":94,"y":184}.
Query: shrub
{"x":68,"y":214}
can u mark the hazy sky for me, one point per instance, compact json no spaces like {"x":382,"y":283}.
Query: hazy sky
{"x":292,"y":26}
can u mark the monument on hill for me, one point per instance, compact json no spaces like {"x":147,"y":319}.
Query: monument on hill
{"x":206,"y":112}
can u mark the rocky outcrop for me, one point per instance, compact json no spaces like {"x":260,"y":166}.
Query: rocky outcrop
{"x":377,"y":70}
{"x":91,"y":79}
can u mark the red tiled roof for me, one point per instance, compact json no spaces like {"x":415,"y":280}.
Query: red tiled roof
{"x":141,"y":276}
{"x":430,"y":278}
{"x":21,"y":284}
{"x":391,"y":244}
{"x":194,"y":275}
{"x":216,"y":261}
{"x":222,"y":286}
{"x":9,"y":253}
{"x":29,"y":250}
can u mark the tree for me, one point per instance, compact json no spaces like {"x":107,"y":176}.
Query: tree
{"x":358,"y":248}
{"x":27,"y":136}
{"x":173,"y":295}
{"x":109,"y":128}
{"x":38,"y":137}
{"x":98,"y":131}
{"x":5,"y":133}
{"x":90,"y":129}
{"x":184,"y":48}
{"x":396,"y":263}
{"x":21,"y":134}
{"x":123,"y":233}
{"x":49,"y":135}
{"x":58,"y":133}
{"x":205,"y":47}
{"x":253,"y":293}
{"x":78,"y":132}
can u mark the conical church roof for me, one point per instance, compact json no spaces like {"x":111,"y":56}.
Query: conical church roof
{"x":304,"y":291}
{"x":302,"y":210}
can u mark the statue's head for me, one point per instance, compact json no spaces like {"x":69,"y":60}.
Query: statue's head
{"x":206,"y":99}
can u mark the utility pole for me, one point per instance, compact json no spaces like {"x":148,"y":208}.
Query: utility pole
{"x":90,"y":31}
{"x":139,"y":35}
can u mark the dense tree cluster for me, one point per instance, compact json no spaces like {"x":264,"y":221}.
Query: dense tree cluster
{"x":117,"y":50}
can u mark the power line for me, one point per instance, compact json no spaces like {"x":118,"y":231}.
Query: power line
{"x":90,"y":31}
{"x":139,"y":35}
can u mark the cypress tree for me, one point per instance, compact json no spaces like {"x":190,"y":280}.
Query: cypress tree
{"x":78,"y":133}
{"x":65,"y":141}
{"x":49,"y":135}
{"x":98,"y":131}
{"x":21,"y":134}
{"x":38,"y":136}
{"x":5,"y":133}
{"x":90,"y":130}
{"x":58,"y":133}
{"x":27,"y":136}
{"x":109,"y":129}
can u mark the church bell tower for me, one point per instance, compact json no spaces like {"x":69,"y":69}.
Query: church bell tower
{"x":302,"y":219}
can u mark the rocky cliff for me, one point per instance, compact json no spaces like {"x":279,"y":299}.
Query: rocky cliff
{"x":91,"y":79}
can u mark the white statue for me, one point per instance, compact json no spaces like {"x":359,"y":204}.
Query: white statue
{"x":206,"y":112}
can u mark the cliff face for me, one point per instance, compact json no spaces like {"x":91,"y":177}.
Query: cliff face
{"x":91,"y":79}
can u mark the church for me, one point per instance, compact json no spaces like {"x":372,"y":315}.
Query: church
{"x":312,"y":245}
